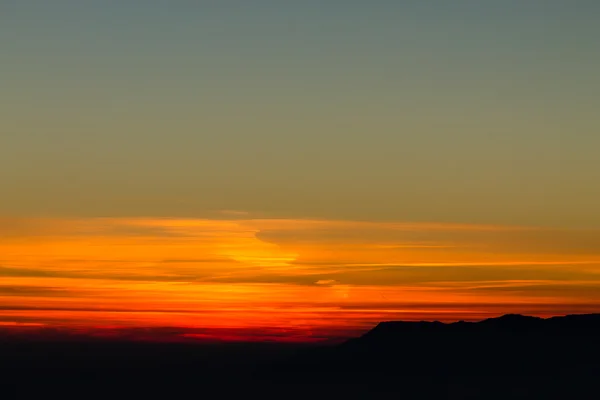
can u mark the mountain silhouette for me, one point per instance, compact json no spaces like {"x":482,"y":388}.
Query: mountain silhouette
{"x":510,"y":339}
{"x":512,"y":355}
{"x":390,"y":333}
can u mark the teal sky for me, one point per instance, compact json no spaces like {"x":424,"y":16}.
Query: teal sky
{"x":462,"y":111}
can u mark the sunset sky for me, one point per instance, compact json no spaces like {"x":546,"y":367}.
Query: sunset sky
{"x":296,"y":170}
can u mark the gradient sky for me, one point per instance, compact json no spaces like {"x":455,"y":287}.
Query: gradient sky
{"x":277,"y":164}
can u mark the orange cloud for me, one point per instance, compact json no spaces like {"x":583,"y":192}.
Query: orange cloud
{"x":298,"y":274}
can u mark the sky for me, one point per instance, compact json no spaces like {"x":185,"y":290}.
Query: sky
{"x":296,"y":170}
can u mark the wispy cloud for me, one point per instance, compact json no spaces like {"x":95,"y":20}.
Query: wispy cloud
{"x":277,"y":272}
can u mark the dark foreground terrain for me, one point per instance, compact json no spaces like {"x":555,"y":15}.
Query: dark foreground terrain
{"x":511,"y":357}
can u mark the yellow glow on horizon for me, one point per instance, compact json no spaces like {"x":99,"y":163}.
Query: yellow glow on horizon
{"x":285,"y":273}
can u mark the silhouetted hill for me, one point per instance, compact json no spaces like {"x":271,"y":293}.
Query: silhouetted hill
{"x":391,"y":333}
{"x":554,"y":356}
{"x":474,"y":345}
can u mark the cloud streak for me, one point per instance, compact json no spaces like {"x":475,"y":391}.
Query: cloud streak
{"x":241,"y":272}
